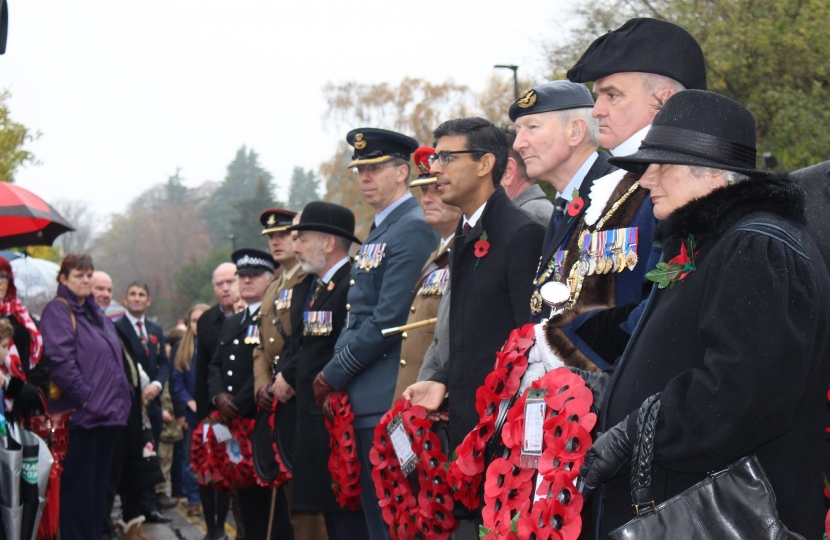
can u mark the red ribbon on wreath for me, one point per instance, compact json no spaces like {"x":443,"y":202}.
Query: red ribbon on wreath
{"x":284,"y":475}
{"x":502,"y":383}
{"x":344,"y":465}
{"x":427,"y":515}
{"x":210,"y":459}
{"x":509,"y":509}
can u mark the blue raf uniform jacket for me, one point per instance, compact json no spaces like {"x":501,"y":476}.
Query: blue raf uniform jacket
{"x":365,"y":363}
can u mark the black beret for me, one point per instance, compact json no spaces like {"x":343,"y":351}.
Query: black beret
{"x":551,"y":96}
{"x":373,"y":145}
{"x":647,"y":46}
{"x":276,"y":220}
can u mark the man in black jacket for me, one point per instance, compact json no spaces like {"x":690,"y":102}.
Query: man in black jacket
{"x":496,"y":250}
{"x":815,"y":181}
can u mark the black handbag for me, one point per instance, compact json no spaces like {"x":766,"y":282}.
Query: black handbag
{"x":736,"y":503}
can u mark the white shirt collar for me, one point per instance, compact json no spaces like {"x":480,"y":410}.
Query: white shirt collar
{"x":133,"y":320}
{"x":253,"y":307}
{"x":576,"y":181}
{"x":476,"y":216}
{"x":632,"y":144}
{"x":446,"y":241}
{"x":333,"y":270}
{"x":383,"y":214}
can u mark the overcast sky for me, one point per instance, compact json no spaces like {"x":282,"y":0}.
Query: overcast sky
{"x":125,"y":92}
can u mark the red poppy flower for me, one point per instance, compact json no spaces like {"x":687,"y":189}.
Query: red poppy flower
{"x":153,"y":339}
{"x":575,"y":206}
{"x":482,"y":247}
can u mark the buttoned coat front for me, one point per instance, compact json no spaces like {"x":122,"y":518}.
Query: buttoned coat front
{"x":231,"y":369}
{"x":365,"y":363}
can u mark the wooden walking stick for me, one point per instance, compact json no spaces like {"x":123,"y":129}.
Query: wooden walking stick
{"x":271,"y":514}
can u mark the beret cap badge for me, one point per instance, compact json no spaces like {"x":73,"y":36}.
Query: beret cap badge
{"x":272,"y":219}
{"x":359,"y":143}
{"x":527,"y":100}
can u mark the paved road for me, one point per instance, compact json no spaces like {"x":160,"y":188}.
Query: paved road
{"x":183,"y":527}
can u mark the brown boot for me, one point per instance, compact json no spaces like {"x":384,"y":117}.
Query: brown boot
{"x":134,"y":529}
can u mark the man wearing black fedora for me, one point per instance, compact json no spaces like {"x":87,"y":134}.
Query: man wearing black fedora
{"x":231,"y":385}
{"x":734,"y":338}
{"x":365,"y":364}
{"x":635,"y":70}
{"x":324,"y":235}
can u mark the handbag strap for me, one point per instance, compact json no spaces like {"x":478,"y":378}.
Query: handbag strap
{"x":642,"y":456}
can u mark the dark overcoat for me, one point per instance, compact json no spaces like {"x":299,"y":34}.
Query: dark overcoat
{"x":490,"y":297}
{"x":231,"y":369}
{"x":739,"y":351}
{"x":154,"y":360}
{"x":312,"y":479}
{"x":208,"y":329}
{"x":815,"y":181}
{"x":365,"y":363}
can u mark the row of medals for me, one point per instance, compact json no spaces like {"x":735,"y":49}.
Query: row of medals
{"x":615,"y":262}
{"x":317,"y":323}
{"x":435,"y":283}
{"x":369,"y":256}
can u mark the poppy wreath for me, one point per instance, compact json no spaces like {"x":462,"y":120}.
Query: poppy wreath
{"x":509,"y":511}
{"x":284,"y":475}
{"x":212,"y":465}
{"x":343,"y":463}
{"x":427,"y":514}
{"x":466,"y":469}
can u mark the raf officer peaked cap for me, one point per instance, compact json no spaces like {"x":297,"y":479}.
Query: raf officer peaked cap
{"x":327,"y":218}
{"x":421,"y":159}
{"x":647,"y":46}
{"x":551,"y":96}
{"x":372,"y":146}
{"x":698,"y":128}
{"x":276,"y":220}
{"x":253,"y":261}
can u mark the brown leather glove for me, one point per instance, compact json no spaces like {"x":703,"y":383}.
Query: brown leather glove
{"x":264,"y":398}
{"x":322,"y":389}
{"x":225,"y":406}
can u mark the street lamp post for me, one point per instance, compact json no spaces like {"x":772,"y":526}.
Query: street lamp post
{"x":515,"y":77}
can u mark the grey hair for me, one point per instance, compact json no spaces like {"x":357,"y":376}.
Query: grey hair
{"x":730,"y":177}
{"x":563,"y":117}
{"x":653,"y":83}
{"x":343,"y":243}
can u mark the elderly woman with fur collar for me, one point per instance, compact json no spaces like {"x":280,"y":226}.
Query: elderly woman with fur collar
{"x":735,"y":334}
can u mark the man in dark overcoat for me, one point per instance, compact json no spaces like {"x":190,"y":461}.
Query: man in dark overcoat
{"x":324,"y":235}
{"x":815,"y":181}
{"x":231,"y":385}
{"x":365,"y":363}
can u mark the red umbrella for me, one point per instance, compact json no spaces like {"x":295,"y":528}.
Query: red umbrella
{"x":25,"y":220}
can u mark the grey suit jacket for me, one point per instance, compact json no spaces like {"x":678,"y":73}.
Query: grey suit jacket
{"x":365,"y":363}
{"x":534,"y":202}
{"x":439,"y":351}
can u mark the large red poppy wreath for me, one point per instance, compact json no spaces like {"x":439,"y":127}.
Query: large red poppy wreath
{"x":211,"y":460}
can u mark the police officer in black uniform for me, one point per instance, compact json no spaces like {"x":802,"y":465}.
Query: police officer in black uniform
{"x":231,"y":384}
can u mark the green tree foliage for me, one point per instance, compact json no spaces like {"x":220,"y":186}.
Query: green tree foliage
{"x":194,"y":279}
{"x":240,"y":183}
{"x":772,"y":56}
{"x":13,"y":136}
{"x":303,"y":189}
{"x":245,"y":227}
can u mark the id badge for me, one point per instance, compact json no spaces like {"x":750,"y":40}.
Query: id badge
{"x":533,"y":435}
{"x":402,"y":445}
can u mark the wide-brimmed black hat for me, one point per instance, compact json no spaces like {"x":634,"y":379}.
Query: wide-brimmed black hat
{"x":647,"y":46}
{"x":327,"y":218}
{"x":253,"y":261}
{"x":373,"y":145}
{"x":698,"y":128}
{"x":276,"y":220}
{"x":551,"y":96}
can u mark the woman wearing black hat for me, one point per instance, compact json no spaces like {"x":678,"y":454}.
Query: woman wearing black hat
{"x":734,"y":336}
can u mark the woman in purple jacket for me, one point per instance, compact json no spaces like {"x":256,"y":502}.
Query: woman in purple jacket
{"x":87,"y":367}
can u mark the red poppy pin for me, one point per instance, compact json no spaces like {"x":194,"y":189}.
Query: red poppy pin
{"x":153,"y":339}
{"x":668,"y":274}
{"x":482,"y":247}
{"x":576,"y":204}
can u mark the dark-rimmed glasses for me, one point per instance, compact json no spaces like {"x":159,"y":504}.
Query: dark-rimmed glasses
{"x":444,"y":157}
{"x":5,"y":277}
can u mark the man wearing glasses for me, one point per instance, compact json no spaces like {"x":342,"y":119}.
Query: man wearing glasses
{"x":365,"y":364}
{"x":494,"y":258}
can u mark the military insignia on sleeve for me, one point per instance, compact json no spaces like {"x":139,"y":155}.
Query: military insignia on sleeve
{"x":369,"y":256}
{"x":359,"y":143}
{"x":284,"y":300}
{"x":317,"y":323}
{"x":528,"y":100}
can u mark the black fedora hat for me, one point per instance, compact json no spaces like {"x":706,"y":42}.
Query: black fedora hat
{"x":327,"y":218}
{"x":698,"y":128}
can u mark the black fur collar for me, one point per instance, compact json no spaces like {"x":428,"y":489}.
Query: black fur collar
{"x":710,"y":216}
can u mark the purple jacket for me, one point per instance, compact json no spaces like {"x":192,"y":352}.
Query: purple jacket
{"x":87,"y":363}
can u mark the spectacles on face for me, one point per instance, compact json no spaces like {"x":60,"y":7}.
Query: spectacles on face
{"x":5,"y":277}
{"x":371,"y":170}
{"x":444,"y":157}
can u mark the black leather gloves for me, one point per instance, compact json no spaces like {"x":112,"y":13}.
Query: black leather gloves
{"x":609,"y":457}
{"x":598,"y":382}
